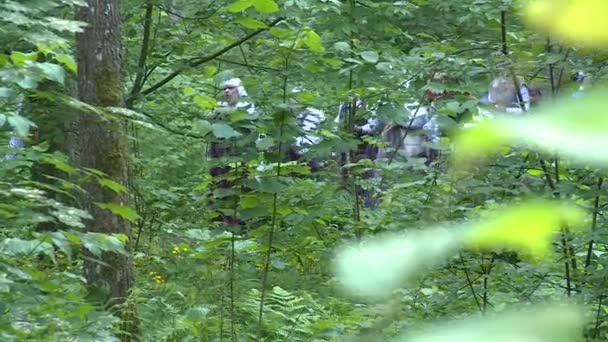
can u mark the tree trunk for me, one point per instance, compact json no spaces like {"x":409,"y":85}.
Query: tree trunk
{"x":103,"y":146}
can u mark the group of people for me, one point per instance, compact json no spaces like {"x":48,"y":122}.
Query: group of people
{"x":416,"y":135}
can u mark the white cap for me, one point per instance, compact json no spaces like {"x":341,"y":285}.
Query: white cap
{"x":236,"y":83}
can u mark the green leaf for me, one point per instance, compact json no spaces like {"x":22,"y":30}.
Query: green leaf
{"x":20,"y":124}
{"x":202,"y":127}
{"x":378,"y":266}
{"x":6,"y":92}
{"x":342,"y":46}
{"x":205,"y":102}
{"x":68,"y":61}
{"x":60,"y":164}
{"x":210,"y":70}
{"x":52,"y":71}
{"x":239,"y":6}
{"x":552,"y":128}
{"x":112,"y":185}
{"x":279,"y":32}
{"x":20,"y":59}
{"x":224,"y":131}
{"x":535,"y":172}
{"x":188,"y":91}
{"x":120,"y":210}
{"x":544,"y":323}
{"x":265,"y":6}
{"x":384,"y":66}
{"x":252,"y":23}
{"x":249,"y":201}
{"x":16,"y":246}
{"x":97,"y":243}
{"x":370,"y":56}
{"x":313,"y":41}
{"x":28,"y":82}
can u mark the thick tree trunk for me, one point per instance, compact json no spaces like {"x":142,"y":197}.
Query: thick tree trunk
{"x":103,"y":143}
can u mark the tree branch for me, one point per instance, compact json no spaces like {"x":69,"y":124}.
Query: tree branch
{"x":143,"y":55}
{"x":211,"y":14}
{"x":200,"y":60}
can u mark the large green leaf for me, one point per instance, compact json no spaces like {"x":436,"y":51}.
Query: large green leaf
{"x":381,"y":265}
{"x":120,"y":210}
{"x":546,"y":323}
{"x":239,"y":6}
{"x":370,"y":56}
{"x":224,"y":131}
{"x":252,"y":23}
{"x":52,"y":71}
{"x":265,"y":6}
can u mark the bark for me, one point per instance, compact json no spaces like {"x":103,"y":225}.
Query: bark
{"x":103,"y":146}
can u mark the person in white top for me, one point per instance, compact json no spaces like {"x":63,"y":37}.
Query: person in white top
{"x":502,"y":98}
{"x":234,"y":92}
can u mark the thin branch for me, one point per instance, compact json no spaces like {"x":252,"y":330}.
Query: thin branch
{"x":169,"y":11}
{"x":470,"y":283}
{"x":248,"y":65}
{"x":194,"y":62}
{"x":143,"y":55}
{"x":594,"y":222}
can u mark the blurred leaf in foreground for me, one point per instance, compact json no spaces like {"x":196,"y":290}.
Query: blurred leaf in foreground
{"x":578,"y":22}
{"x":527,"y":228}
{"x":377,"y":267}
{"x":382,"y":265}
{"x":554,"y":323}
{"x":573,"y":127}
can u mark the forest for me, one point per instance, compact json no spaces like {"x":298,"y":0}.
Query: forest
{"x":303,"y":170}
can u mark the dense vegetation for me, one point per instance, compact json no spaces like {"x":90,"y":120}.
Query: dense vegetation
{"x":109,"y":225}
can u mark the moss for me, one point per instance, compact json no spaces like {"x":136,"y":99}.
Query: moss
{"x":109,"y":87}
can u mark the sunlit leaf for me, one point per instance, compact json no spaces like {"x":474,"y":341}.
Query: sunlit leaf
{"x":68,"y":61}
{"x":252,"y":23}
{"x":188,"y":91}
{"x":112,"y":185}
{"x":376,"y":267}
{"x":205,"y":102}
{"x":575,"y":21}
{"x":265,"y":6}
{"x":279,"y":32}
{"x":573,"y":127}
{"x":528,"y":228}
{"x":240,"y":5}
{"x":313,"y":41}
{"x":379,"y":266}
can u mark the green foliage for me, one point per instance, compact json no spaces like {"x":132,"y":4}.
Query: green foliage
{"x":447,"y":240}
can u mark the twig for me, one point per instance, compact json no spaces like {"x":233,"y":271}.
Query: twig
{"x":194,"y":62}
